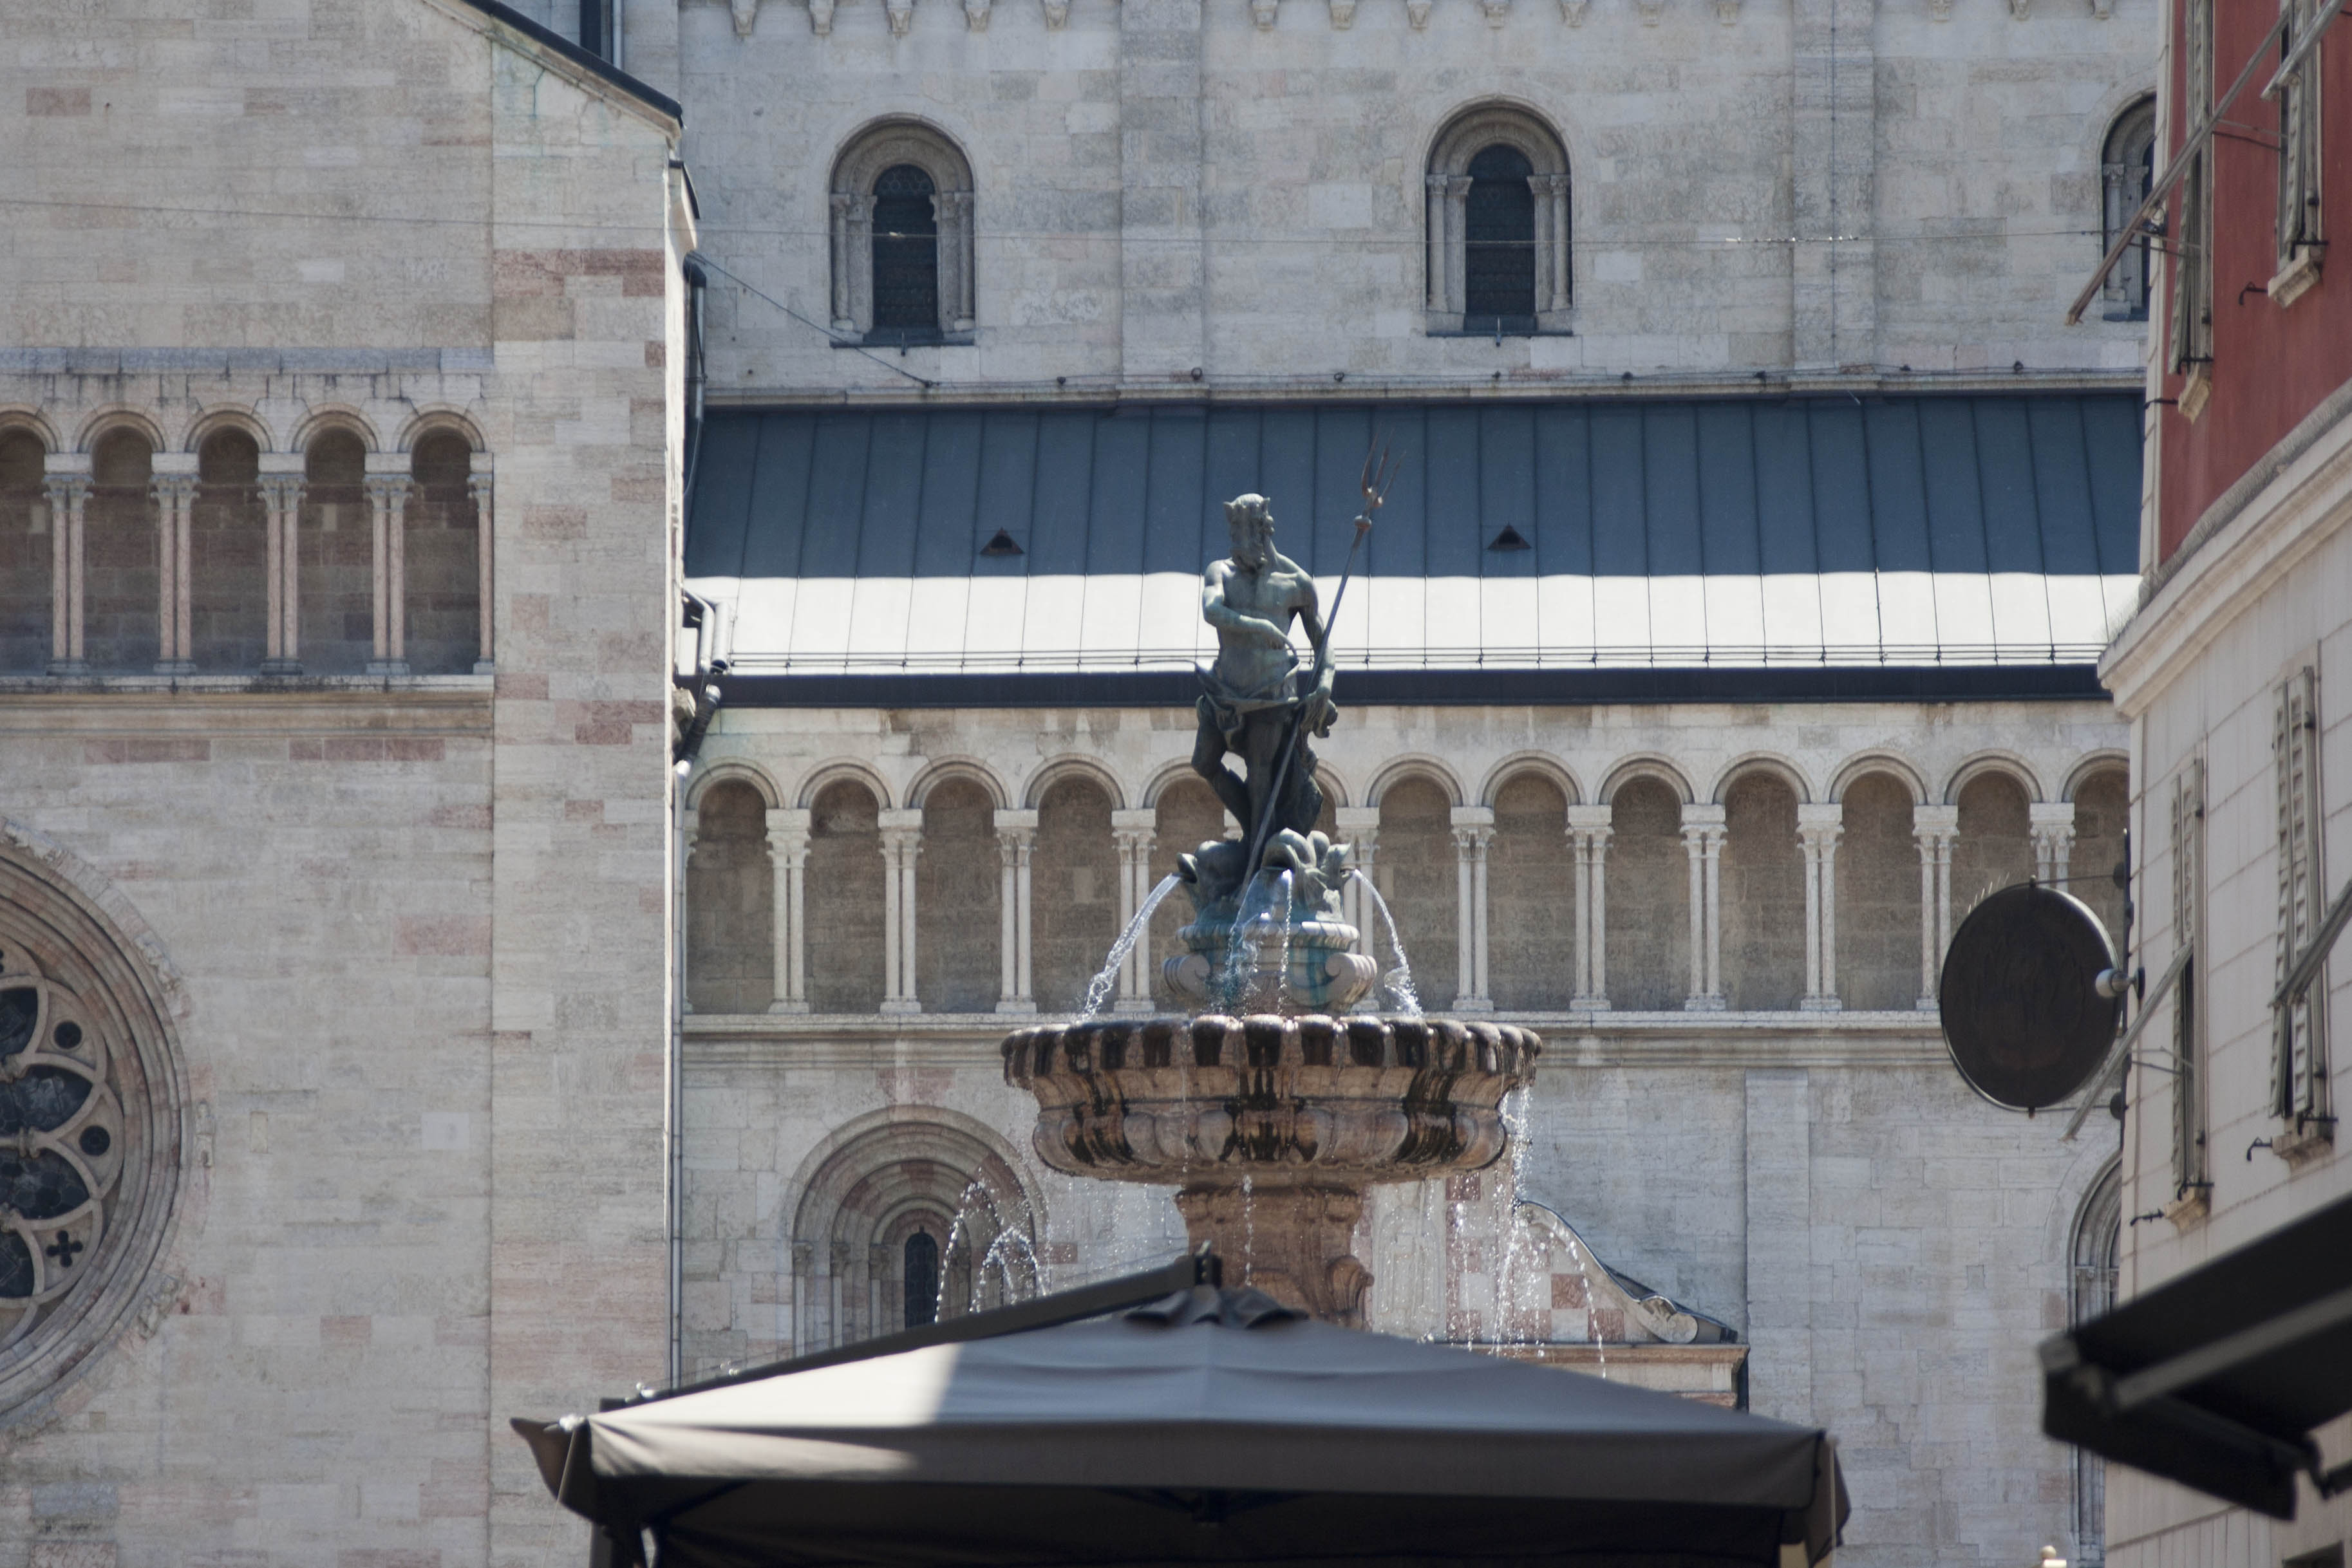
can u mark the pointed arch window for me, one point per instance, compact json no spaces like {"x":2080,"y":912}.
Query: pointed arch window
{"x":901,"y":208}
{"x":1499,"y":226}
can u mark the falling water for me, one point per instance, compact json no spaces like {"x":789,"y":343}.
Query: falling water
{"x":1098,"y":988}
{"x":1008,"y":1243}
{"x":1399,"y":980}
{"x":1245,"y":949}
{"x":1592,"y":1304}
{"x":1514,"y":1111}
{"x":1249,"y":1228}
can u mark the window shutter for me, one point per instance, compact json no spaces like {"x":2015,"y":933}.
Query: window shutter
{"x":2298,"y":1070}
{"x":2188,"y":884}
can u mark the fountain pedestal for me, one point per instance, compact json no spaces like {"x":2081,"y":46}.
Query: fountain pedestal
{"x":1271,"y":1128}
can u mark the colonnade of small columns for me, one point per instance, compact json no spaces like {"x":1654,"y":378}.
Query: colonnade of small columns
{"x":1703,"y":831}
{"x":169,"y":488}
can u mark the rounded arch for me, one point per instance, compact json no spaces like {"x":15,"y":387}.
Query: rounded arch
{"x":1415,"y":765}
{"x":433,"y":418}
{"x":818,"y":779}
{"x":31,"y":421}
{"x":2109,"y":760}
{"x":322,"y":418}
{"x":892,"y":139}
{"x":872,"y":1137}
{"x":228,"y":416}
{"x":1780,"y":767}
{"x":104,"y":421}
{"x":970,"y":769}
{"x":1062,"y":768}
{"x":1884,"y":762}
{"x":1542,"y":763}
{"x":1646,"y":766}
{"x":1984,"y":762}
{"x":734,"y":771}
{"x":1475,"y":127}
{"x":1169,"y":775}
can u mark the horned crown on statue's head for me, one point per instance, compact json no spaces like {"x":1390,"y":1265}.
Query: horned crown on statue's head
{"x":1249,"y":511}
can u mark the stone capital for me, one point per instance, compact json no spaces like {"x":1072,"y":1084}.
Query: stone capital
{"x":1598,"y":821}
{"x":1820,"y":823}
{"x":1706,"y":814}
{"x":1473,"y":816}
{"x":1016,"y":822}
{"x":788,"y":831}
{"x":60,"y":467}
{"x":1935,"y":824}
{"x":1142,"y":820}
{"x":2050,"y":817}
{"x":1356,"y":821}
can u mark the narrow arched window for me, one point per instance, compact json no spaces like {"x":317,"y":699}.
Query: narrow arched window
{"x":2128,"y":170}
{"x":27,"y":567}
{"x":1498,"y":224}
{"x":1499,"y":237}
{"x":901,"y":205}
{"x":921,"y":1260}
{"x":906,"y":254}
{"x":2098,"y":1242}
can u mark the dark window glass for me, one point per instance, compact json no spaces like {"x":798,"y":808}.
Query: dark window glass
{"x":906,"y":254}
{"x":922,"y":1279}
{"x":1499,"y":270}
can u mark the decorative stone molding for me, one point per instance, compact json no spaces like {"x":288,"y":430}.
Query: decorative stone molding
{"x":1262,"y":12}
{"x":2051,"y":825}
{"x":1728,"y":12}
{"x":1935,"y":829}
{"x":821,"y":17}
{"x":902,"y":848}
{"x":788,"y":850}
{"x":89,"y":1083}
{"x":1057,"y":15}
{"x":975,"y":16}
{"x":1820,"y":824}
{"x":1474,"y":835}
{"x":1417,"y":13}
{"x":1651,"y":11}
{"x":901,"y":13}
{"x":1939,"y":10}
{"x":2102,"y":10}
{"x":746,"y":14}
{"x":1497,"y":11}
{"x":1343,"y":13}
{"x":1573,"y":10}
{"x":2020,"y":9}
{"x":1017,"y":842}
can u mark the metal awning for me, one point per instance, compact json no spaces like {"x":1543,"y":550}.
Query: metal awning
{"x":2217,"y":1379}
{"x":1766,"y":533}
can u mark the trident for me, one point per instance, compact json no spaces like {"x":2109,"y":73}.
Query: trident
{"x":1378,"y":474}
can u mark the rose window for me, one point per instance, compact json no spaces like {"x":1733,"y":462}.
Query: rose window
{"x":61,"y":1143}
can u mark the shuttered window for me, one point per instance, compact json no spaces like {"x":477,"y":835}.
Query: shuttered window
{"x":2192,"y":252}
{"x":2299,"y":1061}
{"x":2187,"y":844}
{"x":2299,"y":110}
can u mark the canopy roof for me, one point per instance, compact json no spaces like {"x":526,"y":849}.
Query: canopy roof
{"x":1213,"y":1426}
{"x":1959,"y":529}
{"x":2216,"y":1379}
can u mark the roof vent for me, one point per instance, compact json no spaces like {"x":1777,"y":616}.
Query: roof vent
{"x":1509,"y":539}
{"x":1001,"y":545}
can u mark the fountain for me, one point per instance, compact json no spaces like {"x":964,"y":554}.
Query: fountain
{"x":1271,"y":1107}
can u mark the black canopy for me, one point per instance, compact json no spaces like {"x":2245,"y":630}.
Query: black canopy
{"x":2216,"y":1379}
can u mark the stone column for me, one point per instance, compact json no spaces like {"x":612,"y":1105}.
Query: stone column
{"x":176,"y":495}
{"x":485,"y":545}
{"x":1551,"y":247}
{"x":1703,"y":834}
{"x":1589,"y":827}
{"x":66,"y":482}
{"x":1474,"y":830}
{"x":387,"y":491}
{"x":844,"y":206}
{"x":281,"y":494}
{"x":804,"y":1296}
{"x":1132,"y":831}
{"x":1819,"y":824}
{"x":689,"y":835}
{"x":956,"y":260}
{"x":1439,"y":301}
{"x":2051,"y":825}
{"x":1016,"y":839}
{"x":1934,"y":828}
{"x":1457,"y":254}
{"x":1360,"y":828}
{"x":902,"y":844}
{"x":788,"y":847}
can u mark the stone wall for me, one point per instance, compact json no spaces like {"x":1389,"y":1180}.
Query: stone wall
{"x":1236,"y":194}
{"x":420,"y":920}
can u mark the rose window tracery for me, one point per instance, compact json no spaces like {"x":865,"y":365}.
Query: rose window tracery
{"x":61,"y":1141}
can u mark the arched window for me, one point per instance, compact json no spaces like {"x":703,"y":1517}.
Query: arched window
{"x":442,"y":558}
{"x":1877,"y":873}
{"x":27,"y":568}
{"x":1763,"y":895}
{"x":228,"y":555}
{"x":902,"y":248}
{"x":334,"y":551}
{"x":1499,"y":226}
{"x":957,"y":963}
{"x":846,"y":901}
{"x":1647,"y":878}
{"x":2098,"y":1242}
{"x":731,"y":902}
{"x":920,"y":1271}
{"x":2128,"y":169}
{"x":121,"y":568}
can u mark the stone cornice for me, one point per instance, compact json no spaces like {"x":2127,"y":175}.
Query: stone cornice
{"x":230,"y":705}
{"x":2246,"y":556}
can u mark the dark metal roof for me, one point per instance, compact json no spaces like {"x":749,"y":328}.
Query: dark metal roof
{"x":1885,"y":530}
{"x":587,"y":60}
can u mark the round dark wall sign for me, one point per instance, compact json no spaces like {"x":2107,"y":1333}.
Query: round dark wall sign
{"x":2022,"y":1013}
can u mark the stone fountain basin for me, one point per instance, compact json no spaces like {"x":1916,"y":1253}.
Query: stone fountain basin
{"x":1303,"y":1101}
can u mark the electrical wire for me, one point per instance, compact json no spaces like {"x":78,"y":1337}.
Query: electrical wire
{"x":752,"y":288}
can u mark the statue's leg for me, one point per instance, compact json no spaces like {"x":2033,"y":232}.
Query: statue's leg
{"x":1302,"y":795}
{"x":1261,"y":754}
{"x":1209,"y":762}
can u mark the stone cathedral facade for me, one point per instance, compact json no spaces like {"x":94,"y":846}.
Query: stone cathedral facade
{"x":415,"y":1047}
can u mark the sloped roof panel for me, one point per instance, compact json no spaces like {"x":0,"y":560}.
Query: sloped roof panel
{"x":1959,"y":529}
